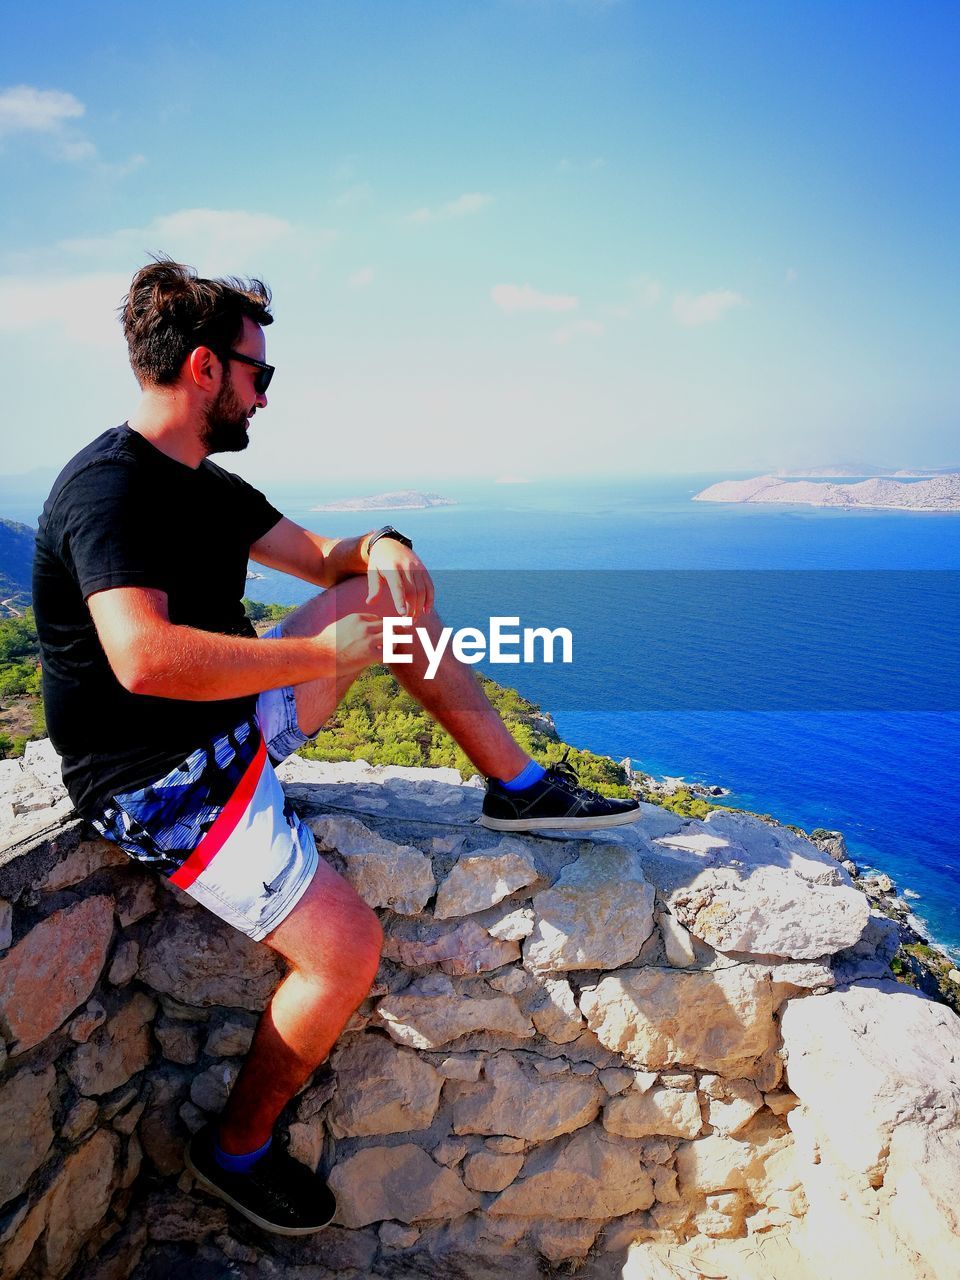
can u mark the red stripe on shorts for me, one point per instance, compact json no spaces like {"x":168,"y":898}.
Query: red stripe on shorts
{"x":224,"y":825}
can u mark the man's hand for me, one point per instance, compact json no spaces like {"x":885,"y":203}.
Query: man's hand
{"x":404,"y":573}
{"x":355,"y":641}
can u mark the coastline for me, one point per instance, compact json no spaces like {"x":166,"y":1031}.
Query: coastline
{"x":939,"y":494}
{"x":920,"y":961}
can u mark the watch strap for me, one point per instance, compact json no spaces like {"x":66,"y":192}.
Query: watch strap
{"x":388,"y":531}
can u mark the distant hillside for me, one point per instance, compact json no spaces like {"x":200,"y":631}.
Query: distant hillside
{"x":399,"y":500}
{"x":16,"y":560}
{"x":938,"y":493}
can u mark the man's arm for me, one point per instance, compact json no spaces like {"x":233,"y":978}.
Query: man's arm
{"x":151,"y":655}
{"x":327,"y":561}
{"x":322,"y":561}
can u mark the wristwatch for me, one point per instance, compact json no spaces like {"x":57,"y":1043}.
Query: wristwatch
{"x":388,"y":531}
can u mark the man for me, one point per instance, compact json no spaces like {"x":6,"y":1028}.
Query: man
{"x":170,"y":714}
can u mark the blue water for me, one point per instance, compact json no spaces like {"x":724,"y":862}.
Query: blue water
{"x":887,"y":777}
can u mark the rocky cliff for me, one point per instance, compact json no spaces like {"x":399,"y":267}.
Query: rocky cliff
{"x":668,"y":1050}
{"x":939,"y":493}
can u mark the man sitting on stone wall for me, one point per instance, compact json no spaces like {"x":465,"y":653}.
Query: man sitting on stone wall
{"x":169,"y":714}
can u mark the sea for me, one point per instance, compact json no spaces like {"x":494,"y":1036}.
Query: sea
{"x":805,"y":659}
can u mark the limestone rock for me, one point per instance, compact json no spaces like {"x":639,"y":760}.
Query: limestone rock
{"x":88,"y":856}
{"x":514,"y":1100}
{"x":833,"y":843}
{"x":512,"y":927}
{"x":53,"y":969}
{"x":504,"y":1145}
{"x":662,"y":1111}
{"x":395,"y":1236}
{"x":616,"y":1080}
{"x":466,"y":949}
{"x":85,"y":1023}
{"x":487,"y":1171}
{"x":381,"y":1088}
{"x":755,"y":843}
{"x":137,"y":898}
{"x":554,"y":1011}
{"x":484,"y":878}
{"x":902,"y":1101}
{"x":306,"y":1144}
{"x":512,"y":981}
{"x":199,"y":960}
{"x":597,"y":915}
{"x":383,"y":873}
{"x":429,"y":1015}
{"x":722,"y":1216}
{"x":676,"y":941}
{"x":762,"y":1156}
{"x":26,"y":1129}
{"x":770,"y":912}
{"x":592,"y":1175}
{"x":870,"y":955}
{"x":124,"y":963}
{"x":400,"y":1183}
{"x":160,"y":1130}
{"x":173,"y":1216}
{"x":449,"y":1152}
{"x":80,"y":1119}
{"x":735,"y":1105}
{"x":210,"y":1089}
{"x":179,"y":1042}
{"x":6,"y":924}
{"x":461,"y":1067}
{"x":720,"y":1020}
{"x":116,"y":1051}
{"x":231,"y":1039}
{"x":79,"y":1201}
{"x":565,"y":1241}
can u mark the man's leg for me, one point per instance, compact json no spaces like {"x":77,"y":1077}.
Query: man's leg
{"x":453,"y":697}
{"x":331,"y":940}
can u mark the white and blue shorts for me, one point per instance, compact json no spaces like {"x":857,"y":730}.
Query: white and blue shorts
{"x":219,"y":826}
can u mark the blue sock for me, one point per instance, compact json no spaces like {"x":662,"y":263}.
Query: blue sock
{"x":526,"y":777}
{"x":242,"y":1163}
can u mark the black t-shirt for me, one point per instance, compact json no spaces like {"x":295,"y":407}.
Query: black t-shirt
{"x":123,"y":514}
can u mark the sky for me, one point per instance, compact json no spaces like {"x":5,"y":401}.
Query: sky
{"x":525,"y":238}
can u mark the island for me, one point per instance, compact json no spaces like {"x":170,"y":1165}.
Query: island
{"x":399,"y":500}
{"x":939,"y":492}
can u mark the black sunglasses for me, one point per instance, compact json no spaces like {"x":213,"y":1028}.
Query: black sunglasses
{"x":261,"y":379}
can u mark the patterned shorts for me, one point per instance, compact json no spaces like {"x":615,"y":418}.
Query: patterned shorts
{"x":219,"y":826}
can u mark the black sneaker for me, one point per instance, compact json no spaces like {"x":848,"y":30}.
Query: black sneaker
{"x":278,"y":1194}
{"x":556,"y":802}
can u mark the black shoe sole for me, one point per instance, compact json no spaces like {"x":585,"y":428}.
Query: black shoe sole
{"x":560,"y":824}
{"x":263,"y":1223}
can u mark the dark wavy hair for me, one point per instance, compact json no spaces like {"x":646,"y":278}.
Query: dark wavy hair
{"x":170,"y":310}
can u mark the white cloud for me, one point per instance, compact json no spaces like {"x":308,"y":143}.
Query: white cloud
{"x":214,"y":240}
{"x":357,"y":193}
{"x":362,"y":279}
{"x":464,"y":205}
{"x":791,"y":275}
{"x":83,"y":307}
{"x":705,"y":308}
{"x":523,"y":297}
{"x":647,"y":292}
{"x":47,"y":114}
{"x":24,"y":109}
{"x":583,"y":329}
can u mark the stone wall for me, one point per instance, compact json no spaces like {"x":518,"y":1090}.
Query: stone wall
{"x":660,"y":1051}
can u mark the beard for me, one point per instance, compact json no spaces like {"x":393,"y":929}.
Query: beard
{"x":225,"y":423}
